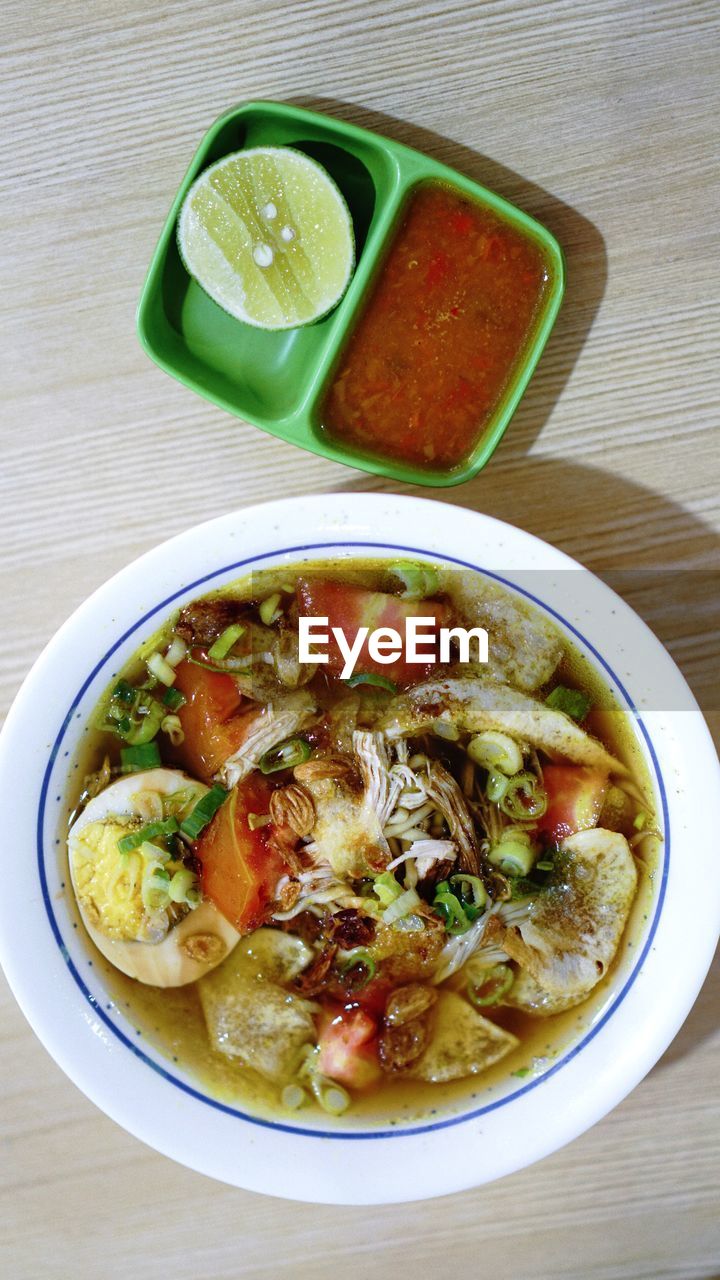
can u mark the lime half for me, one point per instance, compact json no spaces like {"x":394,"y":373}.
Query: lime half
{"x":268,"y":235}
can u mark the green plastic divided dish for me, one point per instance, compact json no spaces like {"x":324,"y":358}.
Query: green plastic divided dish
{"x":277,"y":379}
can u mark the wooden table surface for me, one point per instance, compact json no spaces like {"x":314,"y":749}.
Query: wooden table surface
{"x":599,"y":118}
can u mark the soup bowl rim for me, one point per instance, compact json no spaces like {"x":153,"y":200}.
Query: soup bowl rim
{"x":67,"y":1004}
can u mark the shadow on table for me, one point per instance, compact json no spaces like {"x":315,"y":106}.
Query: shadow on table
{"x":582,"y":244}
{"x":661,"y":559}
{"x":619,"y":530}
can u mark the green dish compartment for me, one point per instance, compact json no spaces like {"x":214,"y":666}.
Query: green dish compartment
{"x":415,"y":171}
{"x":277,"y":379}
{"x":264,"y":375}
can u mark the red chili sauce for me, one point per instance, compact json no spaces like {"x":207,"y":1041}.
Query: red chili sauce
{"x":444,"y":331}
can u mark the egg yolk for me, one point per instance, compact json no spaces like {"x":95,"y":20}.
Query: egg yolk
{"x":108,"y":885}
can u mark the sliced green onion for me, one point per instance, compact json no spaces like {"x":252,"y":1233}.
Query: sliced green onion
{"x":204,"y":812}
{"x":372,"y":678}
{"x":451,"y":911}
{"x":152,"y":714}
{"x":332,"y":1097}
{"x":573,"y":702}
{"x":419,"y":580}
{"x":386,"y":888}
{"x":477,"y":888}
{"x":210,"y":666}
{"x":176,"y":652}
{"x":544,"y":866}
{"x":144,"y":723}
{"x":490,"y":986}
{"x":133,"y":714}
{"x":124,"y":692}
{"x":495,"y":751}
{"x":172,"y":727}
{"x":516,"y":835}
{"x":154,"y":891}
{"x":513,"y":860}
{"x":225,"y":641}
{"x":524,"y":798}
{"x":180,"y":803}
{"x":359,"y":959}
{"x":174,"y":699}
{"x":269,"y":610}
{"x":496,"y":786}
{"x":158,"y":667}
{"x":155,"y":857}
{"x":183,"y":881}
{"x":133,"y":759}
{"x":285,"y":755}
{"x":163,"y":827}
{"x":293,"y":1097}
{"x":514,"y":853}
{"x":445,"y":729}
{"x":640,"y":821}
{"x":405,"y":903}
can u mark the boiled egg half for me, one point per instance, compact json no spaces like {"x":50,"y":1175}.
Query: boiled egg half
{"x":142,"y":907}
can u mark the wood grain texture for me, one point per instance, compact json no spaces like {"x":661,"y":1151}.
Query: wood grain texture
{"x":599,"y":117}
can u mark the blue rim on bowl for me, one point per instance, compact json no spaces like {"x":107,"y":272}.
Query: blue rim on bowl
{"x":517,"y":1124}
{"x":235,"y":569}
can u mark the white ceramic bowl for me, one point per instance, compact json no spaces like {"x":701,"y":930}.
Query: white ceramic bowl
{"x":49,"y":965}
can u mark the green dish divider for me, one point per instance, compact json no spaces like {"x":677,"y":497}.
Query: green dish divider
{"x":277,"y":380}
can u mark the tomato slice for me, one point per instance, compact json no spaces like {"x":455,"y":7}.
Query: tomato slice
{"x":372,"y":998}
{"x":209,"y":719}
{"x":240,"y":868}
{"x":575,"y":798}
{"x":350,"y":608}
{"x":348,"y":1047}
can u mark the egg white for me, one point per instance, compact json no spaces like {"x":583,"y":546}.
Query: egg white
{"x":204,"y":931}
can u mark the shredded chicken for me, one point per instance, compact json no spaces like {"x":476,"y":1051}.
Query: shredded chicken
{"x":270,"y":725}
{"x":482,"y":939}
{"x":381,"y":787}
{"x":444,"y":790}
{"x":319,"y":887}
{"x":348,"y":829}
{"x":427,"y":856}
